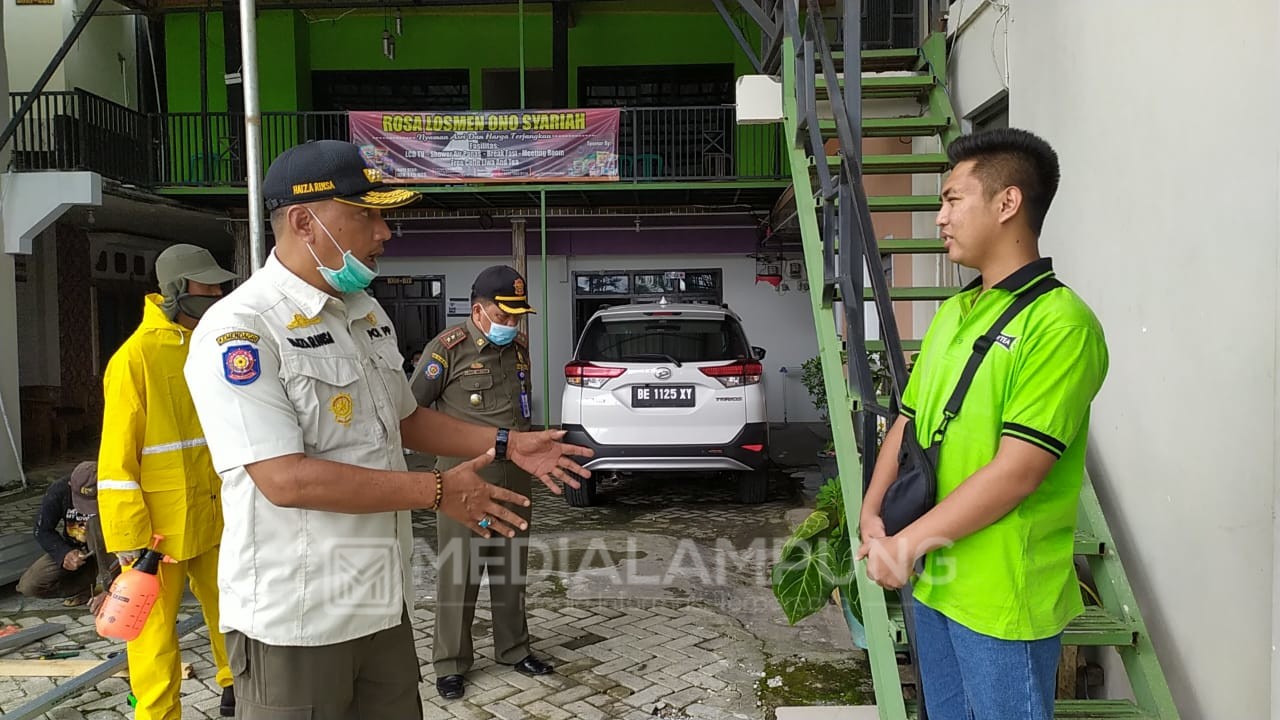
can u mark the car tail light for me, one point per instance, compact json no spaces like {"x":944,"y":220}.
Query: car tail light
{"x":584,"y":374}
{"x":744,"y":372}
{"x":756,"y":447}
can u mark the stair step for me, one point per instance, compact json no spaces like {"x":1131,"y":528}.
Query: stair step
{"x":909,"y":246}
{"x":907,"y":345}
{"x":915,"y":293}
{"x":1082,"y":710}
{"x":904,"y":203}
{"x":882,"y":60}
{"x":1095,"y":628}
{"x":922,"y":126}
{"x":1087,"y":544}
{"x":1098,"y":710}
{"x":893,"y":86}
{"x":898,"y":164}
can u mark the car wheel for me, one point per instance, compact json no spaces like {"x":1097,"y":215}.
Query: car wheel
{"x":753,"y":487}
{"x":584,"y":496}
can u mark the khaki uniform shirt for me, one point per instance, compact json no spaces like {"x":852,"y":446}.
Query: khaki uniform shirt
{"x":467,"y":377}
{"x":278,"y":368}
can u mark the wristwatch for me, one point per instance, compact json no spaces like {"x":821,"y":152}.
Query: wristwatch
{"x":500,"y":445}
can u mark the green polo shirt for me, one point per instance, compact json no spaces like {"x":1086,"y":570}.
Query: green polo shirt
{"x":1014,"y":579}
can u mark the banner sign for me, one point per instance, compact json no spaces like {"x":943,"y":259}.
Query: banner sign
{"x":504,"y":146}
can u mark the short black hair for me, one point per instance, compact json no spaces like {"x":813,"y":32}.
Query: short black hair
{"x":278,"y":220}
{"x":1009,"y":157}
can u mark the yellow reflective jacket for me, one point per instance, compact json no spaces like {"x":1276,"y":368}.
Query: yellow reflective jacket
{"x":154,"y":469}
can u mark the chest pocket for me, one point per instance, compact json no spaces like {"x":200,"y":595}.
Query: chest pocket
{"x":476,"y":392}
{"x":332,"y":403}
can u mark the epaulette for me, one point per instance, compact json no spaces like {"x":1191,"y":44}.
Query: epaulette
{"x":523,"y":340}
{"x":451,"y":338}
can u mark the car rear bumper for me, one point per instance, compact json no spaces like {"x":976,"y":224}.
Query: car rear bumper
{"x":626,"y":458}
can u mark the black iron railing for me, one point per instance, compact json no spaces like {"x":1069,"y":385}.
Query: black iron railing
{"x":77,"y":130}
{"x":80,"y":131}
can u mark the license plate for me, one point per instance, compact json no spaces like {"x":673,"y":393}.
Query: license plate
{"x":648,"y":396}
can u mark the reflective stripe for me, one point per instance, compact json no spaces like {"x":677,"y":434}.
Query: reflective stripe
{"x":118,"y":485}
{"x":170,"y":447}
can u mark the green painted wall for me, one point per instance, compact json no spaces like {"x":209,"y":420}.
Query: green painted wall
{"x":292,"y":44}
{"x":280,"y":38}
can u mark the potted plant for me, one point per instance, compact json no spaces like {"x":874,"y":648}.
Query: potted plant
{"x":817,"y":560}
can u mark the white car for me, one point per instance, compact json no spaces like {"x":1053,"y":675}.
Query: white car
{"x":664,"y":387}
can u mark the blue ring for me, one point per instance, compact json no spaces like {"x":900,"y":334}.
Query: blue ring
{"x":485,"y":522}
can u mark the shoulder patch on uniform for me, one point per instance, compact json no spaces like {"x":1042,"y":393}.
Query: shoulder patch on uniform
{"x":523,"y":339}
{"x":242,"y":335}
{"x":240,"y":364}
{"x":451,"y":338}
{"x":440,"y":359}
{"x":433,"y":370}
{"x":298,"y":322}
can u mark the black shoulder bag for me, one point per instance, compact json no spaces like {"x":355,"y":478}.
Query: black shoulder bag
{"x":915,"y":492}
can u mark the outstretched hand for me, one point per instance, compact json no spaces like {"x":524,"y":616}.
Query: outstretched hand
{"x":543,"y":456}
{"x":477,"y":504}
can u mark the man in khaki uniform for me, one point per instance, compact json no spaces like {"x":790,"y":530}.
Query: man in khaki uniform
{"x":479,"y":371}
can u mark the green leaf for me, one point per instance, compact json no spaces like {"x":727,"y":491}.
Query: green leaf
{"x":812,"y":525}
{"x":830,"y":499}
{"x":804,"y":583}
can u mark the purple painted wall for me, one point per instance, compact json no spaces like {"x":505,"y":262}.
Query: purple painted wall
{"x":577,"y":241}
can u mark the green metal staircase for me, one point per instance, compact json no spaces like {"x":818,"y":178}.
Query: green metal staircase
{"x":823,"y":93}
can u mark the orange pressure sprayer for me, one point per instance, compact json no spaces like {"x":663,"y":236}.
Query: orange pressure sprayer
{"x":131,"y":597}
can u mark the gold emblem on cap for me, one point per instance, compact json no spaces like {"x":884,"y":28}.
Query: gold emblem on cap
{"x":518,"y":286}
{"x":475,"y":399}
{"x":298,"y":322}
{"x":341,"y":407}
{"x":373,"y":175}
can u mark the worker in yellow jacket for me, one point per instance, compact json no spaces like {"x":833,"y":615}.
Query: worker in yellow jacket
{"x":156,"y":476}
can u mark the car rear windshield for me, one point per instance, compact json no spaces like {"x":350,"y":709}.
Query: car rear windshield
{"x":663,"y":339}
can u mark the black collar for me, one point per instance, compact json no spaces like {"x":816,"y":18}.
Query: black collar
{"x":1019,"y":279}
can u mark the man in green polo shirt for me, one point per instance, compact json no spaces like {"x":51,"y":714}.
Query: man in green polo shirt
{"x":999,"y":583}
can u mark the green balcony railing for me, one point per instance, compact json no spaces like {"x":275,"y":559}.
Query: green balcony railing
{"x":80,"y":131}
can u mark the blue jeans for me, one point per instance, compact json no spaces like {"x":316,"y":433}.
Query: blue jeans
{"x":971,"y":676}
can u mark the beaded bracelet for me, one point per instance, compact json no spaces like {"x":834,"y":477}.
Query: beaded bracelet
{"x":435,"y":505}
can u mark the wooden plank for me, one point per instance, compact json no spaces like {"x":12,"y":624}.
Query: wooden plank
{"x":37,"y":706}
{"x":29,"y":635}
{"x":1068,"y":669}
{"x":70,"y":667}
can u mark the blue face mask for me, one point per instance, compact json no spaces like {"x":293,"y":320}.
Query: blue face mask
{"x":499,"y":334}
{"x":353,"y":276}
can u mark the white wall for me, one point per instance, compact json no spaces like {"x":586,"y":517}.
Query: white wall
{"x":1166,"y":222}
{"x":781,"y":323}
{"x":40,"y":362}
{"x":9,"y":470}
{"x":34,"y":33}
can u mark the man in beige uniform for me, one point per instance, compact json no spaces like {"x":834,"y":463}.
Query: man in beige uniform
{"x":298,"y":381}
{"x":479,"y":371}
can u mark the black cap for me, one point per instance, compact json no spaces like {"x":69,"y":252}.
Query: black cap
{"x":329,"y":169}
{"x":504,"y":286}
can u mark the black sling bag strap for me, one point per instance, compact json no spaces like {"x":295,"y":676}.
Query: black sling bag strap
{"x":915,"y":491}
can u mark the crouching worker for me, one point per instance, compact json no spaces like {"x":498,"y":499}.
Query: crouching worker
{"x":73,"y":552}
